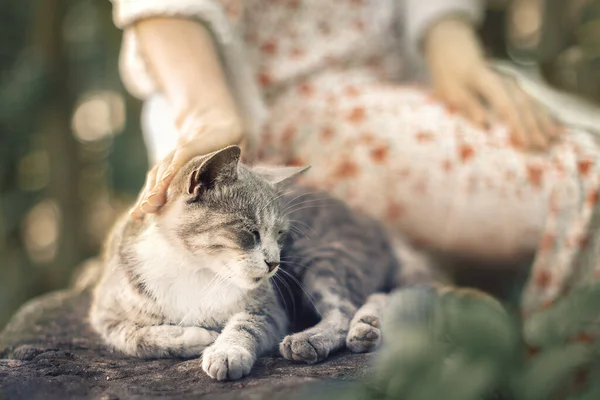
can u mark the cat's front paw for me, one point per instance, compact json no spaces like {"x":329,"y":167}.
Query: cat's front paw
{"x":231,"y":362}
{"x":310,"y":346}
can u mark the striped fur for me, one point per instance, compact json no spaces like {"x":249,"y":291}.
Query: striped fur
{"x":194,"y":279}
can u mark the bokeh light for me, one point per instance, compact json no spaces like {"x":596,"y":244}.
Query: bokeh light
{"x":41,"y":231}
{"x":99,"y":115}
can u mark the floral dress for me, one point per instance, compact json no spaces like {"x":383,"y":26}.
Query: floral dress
{"x":321,"y":84}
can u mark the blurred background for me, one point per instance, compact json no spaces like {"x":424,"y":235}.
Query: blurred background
{"x":71,"y":152}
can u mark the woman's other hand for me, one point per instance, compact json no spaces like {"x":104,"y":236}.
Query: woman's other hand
{"x":463,"y":79}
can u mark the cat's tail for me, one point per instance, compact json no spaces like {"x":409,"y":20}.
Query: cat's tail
{"x":87,"y":275}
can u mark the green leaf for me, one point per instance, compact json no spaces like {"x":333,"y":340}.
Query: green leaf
{"x":576,"y":313}
{"x":550,"y":370}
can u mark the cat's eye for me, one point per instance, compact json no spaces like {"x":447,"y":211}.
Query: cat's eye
{"x":281,"y":236}
{"x":248,"y":239}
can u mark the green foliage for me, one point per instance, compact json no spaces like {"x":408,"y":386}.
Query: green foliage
{"x":54,"y":56}
{"x":462,"y":346}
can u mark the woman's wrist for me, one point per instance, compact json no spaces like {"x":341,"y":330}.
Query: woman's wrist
{"x":199,"y":121}
{"x":452,"y":30}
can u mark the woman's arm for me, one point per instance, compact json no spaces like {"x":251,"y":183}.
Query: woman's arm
{"x":182,"y":57}
{"x":188,"y":52}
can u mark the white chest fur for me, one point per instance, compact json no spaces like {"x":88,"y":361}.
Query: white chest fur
{"x":187,"y":290}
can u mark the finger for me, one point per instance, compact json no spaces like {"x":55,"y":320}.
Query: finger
{"x":180,"y":158}
{"x":473,"y":109}
{"x":148,"y":208}
{"x":136,"y":211}
{"x":167,"y":171}
{"x":551,"y":127}
{"x":156,"y":197}
{"x":527,"y":115}
{"x":150,"y":182}
{"x":164,"y":165}
{"x":204,"y":143}
{"x":546,"y":124}
{"x":208,"y":141}
{"x":464,"y":103}
{"x":495,"y":93}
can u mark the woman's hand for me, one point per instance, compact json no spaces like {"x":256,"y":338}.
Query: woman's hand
{"x":206,"y":133}
{"x":462,"y":78}
{"x":182,"y":57}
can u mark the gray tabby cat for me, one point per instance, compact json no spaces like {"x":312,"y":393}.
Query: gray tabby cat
{"x":196,"y":278}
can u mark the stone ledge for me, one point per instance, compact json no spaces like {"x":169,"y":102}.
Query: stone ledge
{"x":48,"y":351}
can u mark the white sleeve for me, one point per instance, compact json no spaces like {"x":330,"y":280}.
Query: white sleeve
{"x":419,"y":15}
{"x":137,"y":77}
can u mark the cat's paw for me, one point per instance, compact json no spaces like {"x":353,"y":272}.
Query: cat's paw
{"x":364,"y":335}
{"x":309,"y":346}
{"x":227,"y":362}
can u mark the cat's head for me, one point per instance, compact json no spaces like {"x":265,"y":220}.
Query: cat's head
{"x":229,"y":217}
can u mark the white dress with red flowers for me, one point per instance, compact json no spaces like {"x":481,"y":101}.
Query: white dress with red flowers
{"x":321,"y":81}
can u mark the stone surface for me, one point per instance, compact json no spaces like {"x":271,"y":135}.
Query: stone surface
{"x":48,"y":351}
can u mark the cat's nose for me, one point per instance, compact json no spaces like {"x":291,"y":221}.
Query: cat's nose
{"x":272,"y":265}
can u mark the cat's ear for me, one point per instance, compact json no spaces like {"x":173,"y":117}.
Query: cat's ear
{"x":280,"y":177}
{"x":217,"y":168}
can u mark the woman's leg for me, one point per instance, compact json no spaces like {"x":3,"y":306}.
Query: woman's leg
{"x":402,"y":157}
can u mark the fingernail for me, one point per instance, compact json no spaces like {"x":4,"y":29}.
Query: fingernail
{"x":145,"y":207}
{"x":167,"y":175}
{"x":153,"y":199}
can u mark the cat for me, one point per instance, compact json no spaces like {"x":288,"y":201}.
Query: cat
{"x":201,"y":276}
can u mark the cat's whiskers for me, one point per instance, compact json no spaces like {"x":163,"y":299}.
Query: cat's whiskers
{"x":224,"y":284}
{"x":294,"y":263}
{"x":301,"y":203}
{"x":212,"y":284}
{"x":295,"y":198}
{"x":295,"y":221}
{"x":299,"y":232}
{"x":274,"y":199}
{"x":215,"y":283}
{"x":274,"y":282}
{"x":290,"y":292}
{"x":220,"y":282}
{"x":307,"y":207}
{"x":301,"y":286}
